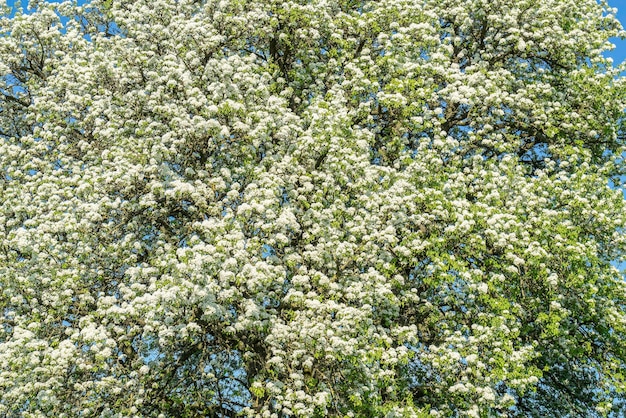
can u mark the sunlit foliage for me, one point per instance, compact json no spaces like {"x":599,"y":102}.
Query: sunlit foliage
{"x":311,"y":208}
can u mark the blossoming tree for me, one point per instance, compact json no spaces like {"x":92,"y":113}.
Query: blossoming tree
{"x":305,"y":208}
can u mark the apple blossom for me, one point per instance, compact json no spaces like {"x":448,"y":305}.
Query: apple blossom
{"x":311,"y":208}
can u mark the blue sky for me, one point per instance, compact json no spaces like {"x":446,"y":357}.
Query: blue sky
{"x":619,"y":53}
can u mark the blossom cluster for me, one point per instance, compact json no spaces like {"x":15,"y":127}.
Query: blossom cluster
{"x":311,"y":208}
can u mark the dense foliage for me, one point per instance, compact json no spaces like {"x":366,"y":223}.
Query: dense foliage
{"x":311,"y":208}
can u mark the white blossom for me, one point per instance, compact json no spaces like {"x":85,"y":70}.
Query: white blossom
{"x":310,"y":208}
